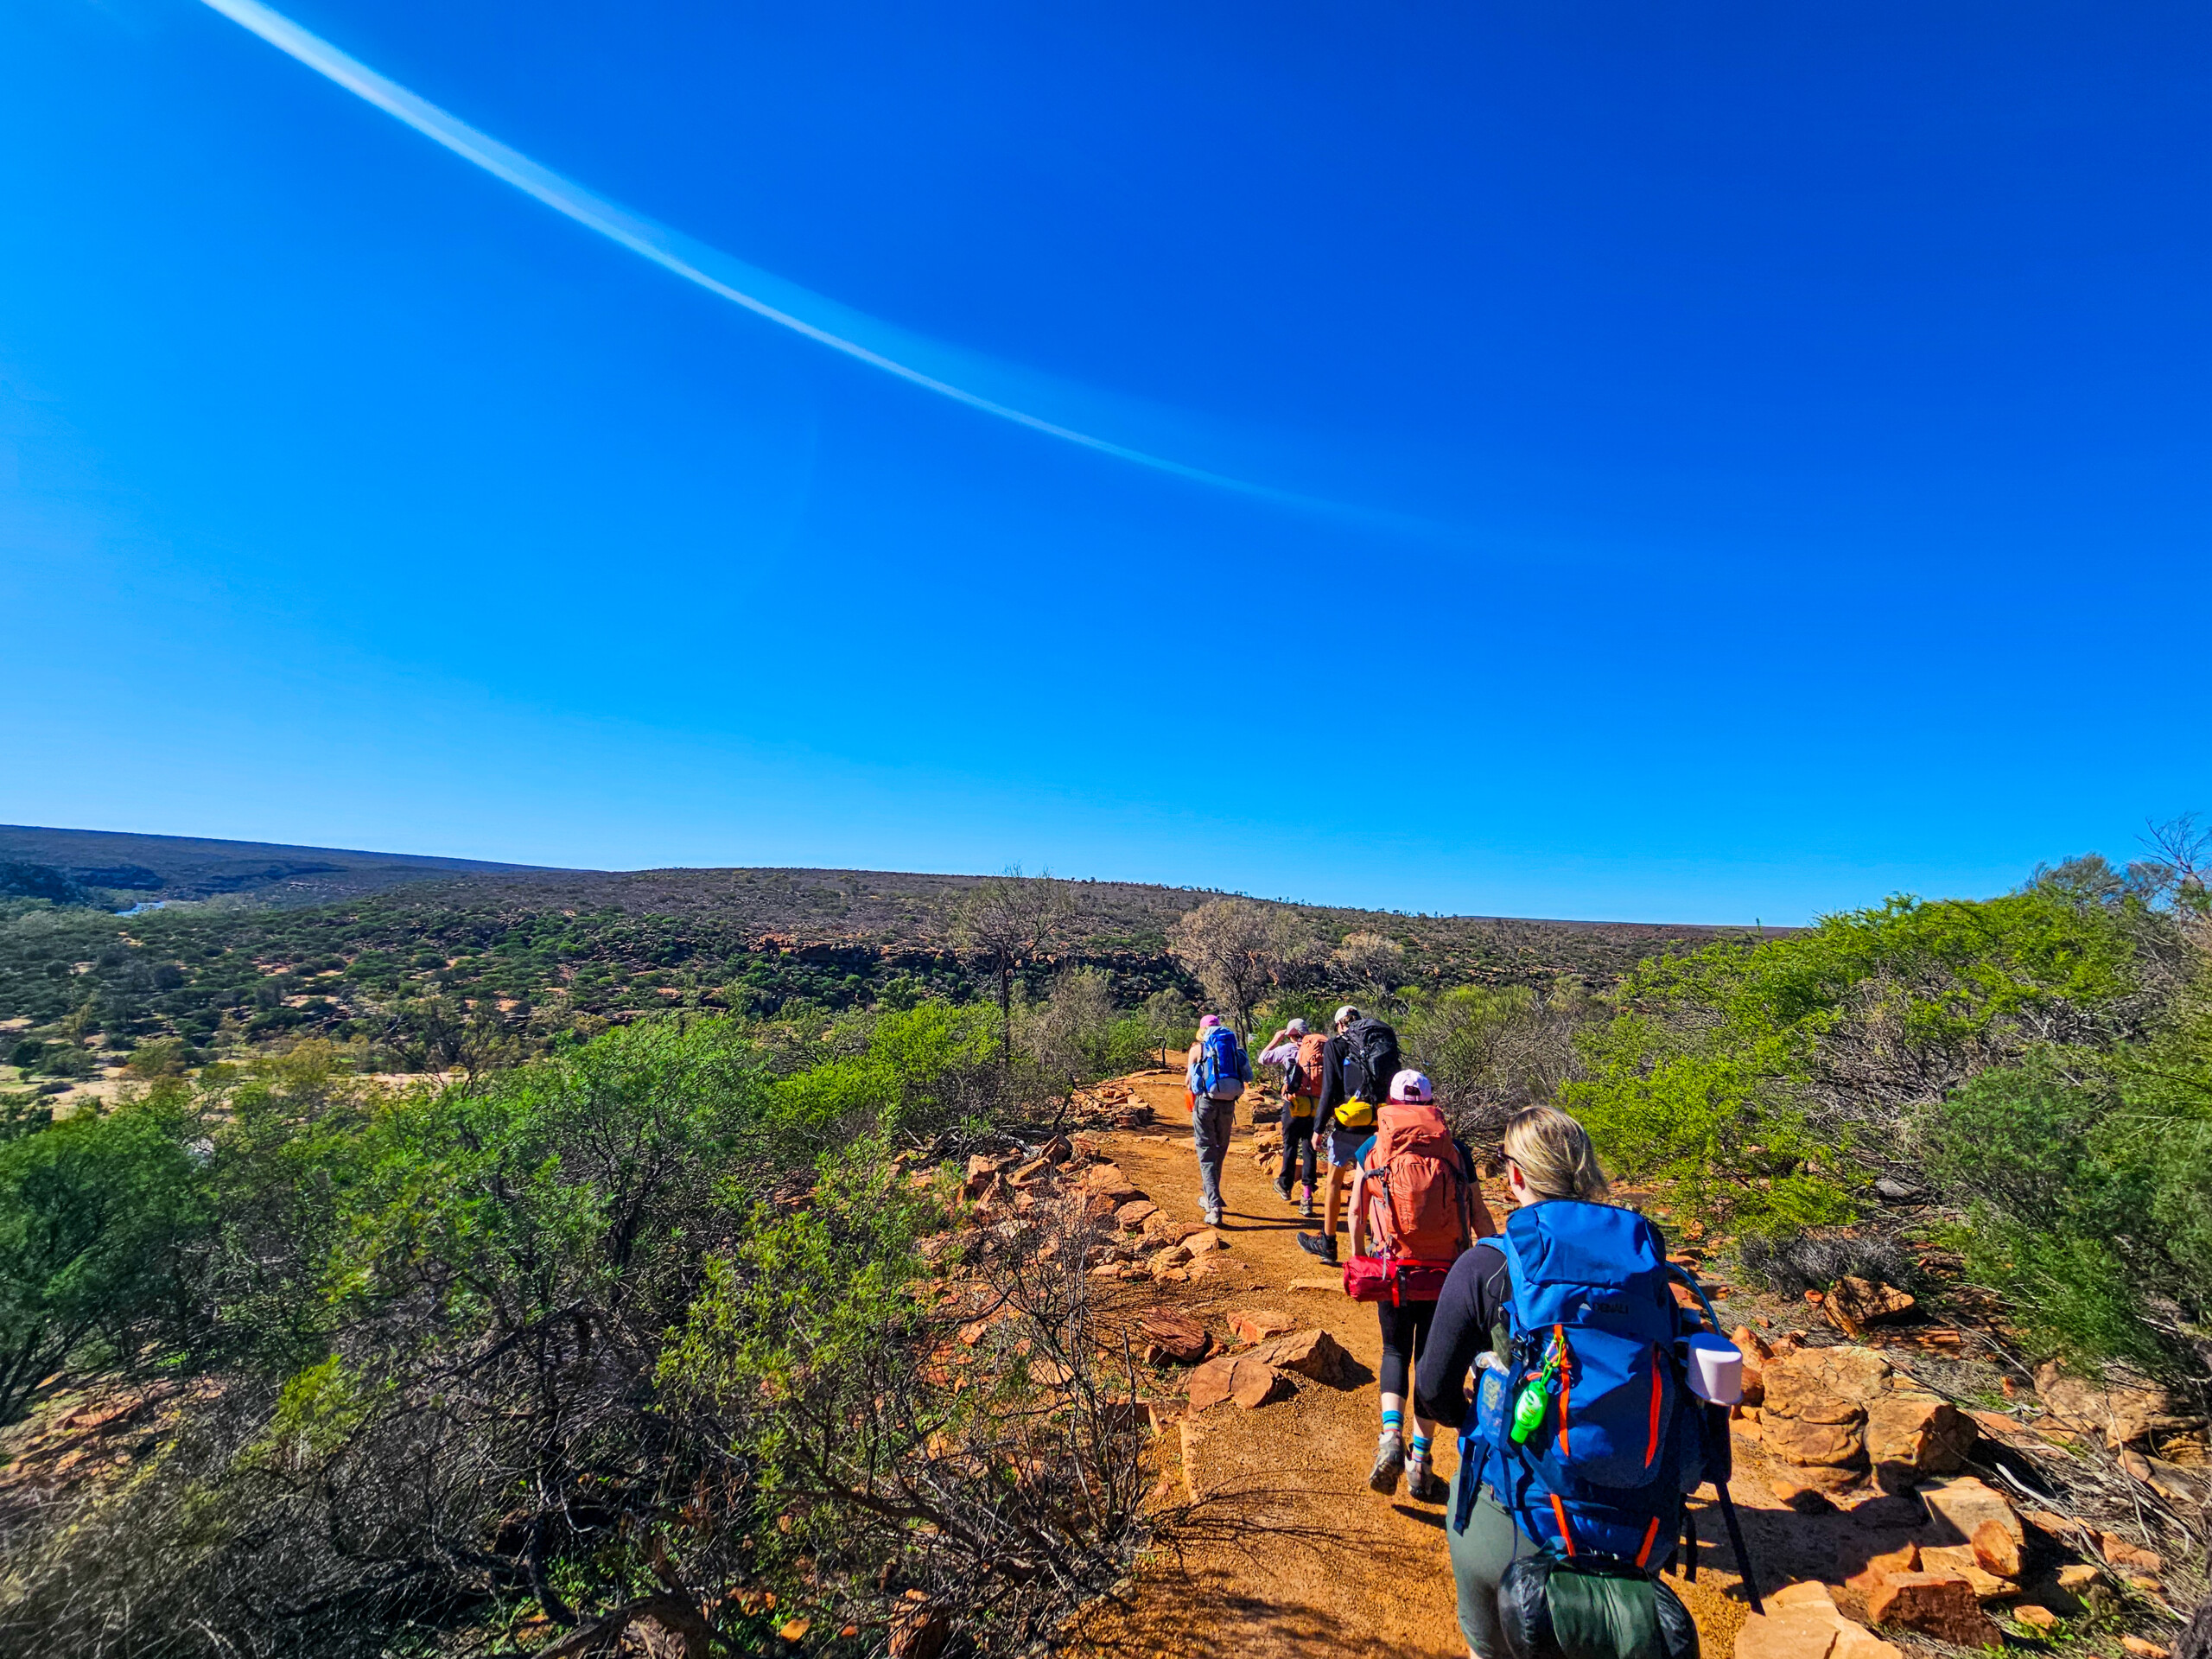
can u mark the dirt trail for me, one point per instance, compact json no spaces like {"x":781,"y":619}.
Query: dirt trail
{"x":1290,"y":1554}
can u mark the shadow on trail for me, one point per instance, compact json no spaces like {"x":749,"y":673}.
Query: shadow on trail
{"x":1208,"y":1607}
{"x":1238,"y":1221}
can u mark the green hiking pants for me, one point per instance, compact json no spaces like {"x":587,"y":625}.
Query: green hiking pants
{"x":1479,"y":1557}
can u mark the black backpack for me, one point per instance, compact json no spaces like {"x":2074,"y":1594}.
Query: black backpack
{"x":1370,"y":1060}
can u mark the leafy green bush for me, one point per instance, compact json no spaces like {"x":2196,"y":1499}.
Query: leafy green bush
{"x":1771,"y":1082}
{"x":504,"y":1341}
{"x":101,"y":1218}
{"x":2090,"y":1186}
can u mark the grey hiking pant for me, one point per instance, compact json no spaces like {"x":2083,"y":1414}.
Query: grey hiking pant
{"x":1479,"y":1557}
{"x":1210,"y":1122}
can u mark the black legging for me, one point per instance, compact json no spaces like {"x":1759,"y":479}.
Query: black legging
{"x":1405,"y":1333}
{"x":1297,"y":1151}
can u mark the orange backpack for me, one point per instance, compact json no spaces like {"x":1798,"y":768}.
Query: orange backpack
{"x":1310,"y":1048}
{"x":1420,"y":1203}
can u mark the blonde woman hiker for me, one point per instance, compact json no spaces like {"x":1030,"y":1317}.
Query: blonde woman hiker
{"x":1585,"y":1431}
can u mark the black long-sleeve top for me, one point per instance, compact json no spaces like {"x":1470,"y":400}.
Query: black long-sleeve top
{"x":1332,"y":1082}
{"x":1471,"y":1305}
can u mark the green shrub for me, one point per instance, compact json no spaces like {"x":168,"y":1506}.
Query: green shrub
{"x":2088,"y":1187}
{"x":100,"y":1221}
{"x":1771,"y":1082}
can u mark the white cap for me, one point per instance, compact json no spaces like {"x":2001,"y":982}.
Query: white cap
{"x":1412,"y":1088}
{"x":1297,"y":1026}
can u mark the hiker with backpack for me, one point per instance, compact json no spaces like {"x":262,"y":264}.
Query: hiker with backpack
{"x":1583,"y":1436}
{"x":1298,"y":1052}
{"x":1356,"y":1066}
{"x":1215,"y":1078}
{"x":1414,"y":1201}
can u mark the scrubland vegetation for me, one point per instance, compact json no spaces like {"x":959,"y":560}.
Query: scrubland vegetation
{"x":649,"y":1312}
{"x":611,"y":1313}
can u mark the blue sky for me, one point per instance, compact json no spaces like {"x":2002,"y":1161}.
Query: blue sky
{"x":1768,"y":446}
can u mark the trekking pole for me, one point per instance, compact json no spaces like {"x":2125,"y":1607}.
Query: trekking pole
{"x":1736,"y":1543}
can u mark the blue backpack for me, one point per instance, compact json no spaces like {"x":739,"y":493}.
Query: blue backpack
{"x":1223,"y":1069}
{"x":1600,"y":1479}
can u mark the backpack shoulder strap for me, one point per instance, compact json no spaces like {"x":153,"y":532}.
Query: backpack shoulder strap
{"x":1683,"y":1276}
{"x":1516,"y":1270}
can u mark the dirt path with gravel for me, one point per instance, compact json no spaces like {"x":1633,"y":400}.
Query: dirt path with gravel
{"x":1289,"y":1552}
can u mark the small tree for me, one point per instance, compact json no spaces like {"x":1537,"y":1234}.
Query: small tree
{"x":1007,"y":920}
{"x":1071,"y":1034}
{"x":1237,"y":949}
{"x":1168,"y":1017}
{"x":1374,"y":963}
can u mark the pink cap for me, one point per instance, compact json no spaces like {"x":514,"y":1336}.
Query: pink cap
{"x":1412,"y":1088}
{"x":1209,"y":1022}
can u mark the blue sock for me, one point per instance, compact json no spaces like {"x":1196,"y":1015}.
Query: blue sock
{"x":1421,"y":1445}
{"x":1394,"y":1420}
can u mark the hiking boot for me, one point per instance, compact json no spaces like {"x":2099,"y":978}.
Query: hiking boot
{"x":1389,"y":1458}
{"x":1306,"y":1211}
{"x":1283,"y":1188}
{"x":1423,"y":1483}
{"x":1314,"y":1245}
{"x":1213,"y":1218}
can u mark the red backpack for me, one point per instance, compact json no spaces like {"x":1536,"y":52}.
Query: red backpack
{"x":1310,"y":1048}
{"x":1422,"y":1209}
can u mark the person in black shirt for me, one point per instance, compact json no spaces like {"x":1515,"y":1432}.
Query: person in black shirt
{"x":1548,"y":1156}
{"x":1336,"y":1145}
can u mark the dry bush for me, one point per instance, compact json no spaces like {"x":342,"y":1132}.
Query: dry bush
{"x":1796,"y":1263}
{"x":976,"y":1452}
{"x":1237,"y":948}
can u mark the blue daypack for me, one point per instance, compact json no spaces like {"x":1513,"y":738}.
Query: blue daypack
{"x":1601,"y":1480}
{"x":1223,"y":1069}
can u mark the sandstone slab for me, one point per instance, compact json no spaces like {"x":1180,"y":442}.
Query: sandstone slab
{"x":1172,"y":1259}
{"x":1944,"y":1607}
{"x":1259,"y":1324}
{"x":1211,"y":1382}
{"x":1311,"y":1354}
{"x":1793,"y":1439}
{"x":1998,"y":1549}
{"x":1867,"y":1302}
{"x":1957,"y":1509}
{"x":1960,"y":1561}
{"x":1801,"y":1622}
{"x":1915,"y":1435}
{"x":1249,"y":1381}
{"x":1825,"y":1385}
{"x":1881,"y":1566}
{"x":2120,"y":1552}
{"x":1178,"y":1337}
{"x":2121,"y":1407}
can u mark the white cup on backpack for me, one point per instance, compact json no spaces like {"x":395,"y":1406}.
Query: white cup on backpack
{"x":1716,"y":1368}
